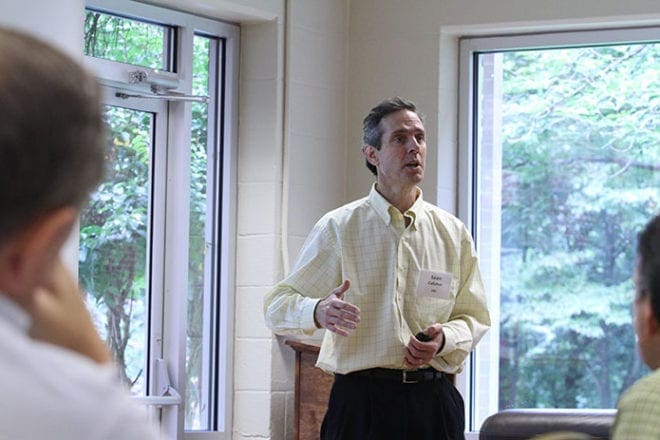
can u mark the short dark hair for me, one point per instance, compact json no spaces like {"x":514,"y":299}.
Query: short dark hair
{"x":372,"y":132}
{"x":51,"y":141}
{"x":648,"y":264}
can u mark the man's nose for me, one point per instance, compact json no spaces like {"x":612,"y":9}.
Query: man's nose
{"x":413,"y":144}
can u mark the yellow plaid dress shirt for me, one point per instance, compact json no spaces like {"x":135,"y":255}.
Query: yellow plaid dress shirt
{"x":638,"y":415}
{"x":367,"y":242}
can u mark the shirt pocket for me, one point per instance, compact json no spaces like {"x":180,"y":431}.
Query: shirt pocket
{"x":430,"y":309}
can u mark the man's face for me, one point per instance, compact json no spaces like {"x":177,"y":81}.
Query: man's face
{"x":402,"y":155}
{"x":636,"y":301}
{"x":642,"y":313}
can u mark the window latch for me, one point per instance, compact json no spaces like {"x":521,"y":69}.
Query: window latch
{"x":137,"y":76}
{"x":166,"y":394}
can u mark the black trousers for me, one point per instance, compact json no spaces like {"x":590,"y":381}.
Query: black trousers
{"x":368,"y":408}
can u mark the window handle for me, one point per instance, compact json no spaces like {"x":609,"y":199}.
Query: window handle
{"x":162,"y":85}
{"x":166,"y":395}
{"x":171,"y":96}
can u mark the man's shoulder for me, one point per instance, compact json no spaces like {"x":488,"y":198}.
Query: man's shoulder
{"x":439,"y":212}
{"x":638,"y":414}
{"x":442,"y":217}
{"x":645,"y":392}
{"x":37,"y":377}
{"x":344,"y":213}
{"x":68,"y":374}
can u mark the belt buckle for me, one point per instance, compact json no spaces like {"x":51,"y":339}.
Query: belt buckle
{"x":405,"y":378}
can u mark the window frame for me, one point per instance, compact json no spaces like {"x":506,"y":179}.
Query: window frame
{"x":469,"y":48}
{"x":173,"y":227}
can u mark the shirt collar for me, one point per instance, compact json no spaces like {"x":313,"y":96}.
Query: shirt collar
{"x":382,"y":206}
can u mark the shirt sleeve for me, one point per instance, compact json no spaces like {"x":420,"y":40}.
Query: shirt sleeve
{"x":289,"y":306}
{"x":122,"y":418}
{"x":129,"y":427}
{"x":470,"y":318}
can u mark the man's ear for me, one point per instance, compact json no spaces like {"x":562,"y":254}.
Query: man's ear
{"x":370,"y":154}
{"x":647,"y":324}
{"x":652,"y":324}
{"x":29,"y":257}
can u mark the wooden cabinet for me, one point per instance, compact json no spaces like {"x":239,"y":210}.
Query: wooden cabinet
{"x":312,"y":391}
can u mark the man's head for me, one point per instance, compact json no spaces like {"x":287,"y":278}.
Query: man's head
{"x":395,"y":147}
{"x":51,"y":152}
{"x":646,"y":307}
{"x":372,"y":130}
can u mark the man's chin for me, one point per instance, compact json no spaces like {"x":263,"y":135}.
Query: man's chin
{"x":418,"y":176}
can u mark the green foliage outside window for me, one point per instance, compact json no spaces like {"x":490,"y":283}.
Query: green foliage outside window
{"x":125,"y":40}
{"x":195,"y":368}
{"x":580,"y":178}
{"x":113,"y":240}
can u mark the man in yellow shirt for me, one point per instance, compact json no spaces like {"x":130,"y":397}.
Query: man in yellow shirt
{"x":638,"y":415}
{"x":395,"y":281}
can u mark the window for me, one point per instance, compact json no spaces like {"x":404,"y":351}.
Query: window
{"x":156,"y":241}
{"x":562,"y":166}
{"x":113,"y":241}
{"x":117,"y":38}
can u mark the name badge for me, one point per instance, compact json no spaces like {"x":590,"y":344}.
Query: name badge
{"x":434,"y":284}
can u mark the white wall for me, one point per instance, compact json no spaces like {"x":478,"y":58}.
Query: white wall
{"x":393,"y":52}
{"x":60,"y":23}
{"x":257,"y":400}
{"x":316,"y":103}
{"x":291,"y":162}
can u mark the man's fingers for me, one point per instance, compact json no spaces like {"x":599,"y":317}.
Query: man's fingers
{"x":344,"y":319}
{"x":433,"y":331}
{"x":412,"y":360}
{"x":418,"y":353}
{"x":346,"y":311}
{"x":339,"y":291}
{"x":336,"y":315}
{"x":416,"y":348}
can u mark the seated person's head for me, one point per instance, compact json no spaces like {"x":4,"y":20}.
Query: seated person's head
{"x":647,"y":294}
{"x":51,"y":155}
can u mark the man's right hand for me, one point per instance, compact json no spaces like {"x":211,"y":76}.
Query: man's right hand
{"x":335,"y":314}
{"x":60,"y":317}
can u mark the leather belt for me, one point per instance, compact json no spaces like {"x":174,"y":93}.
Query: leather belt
{"x":403,"y":376}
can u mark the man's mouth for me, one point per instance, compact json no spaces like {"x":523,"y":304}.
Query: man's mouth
{"x":414,"y":164}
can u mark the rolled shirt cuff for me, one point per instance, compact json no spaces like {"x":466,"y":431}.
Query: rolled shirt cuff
{"x":307,"y":314}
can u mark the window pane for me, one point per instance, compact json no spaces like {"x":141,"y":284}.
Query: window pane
{"x":201,"y":269}
{"x":113,"y":231}
{"x":128,"y":41}
{"x":568,"y":173}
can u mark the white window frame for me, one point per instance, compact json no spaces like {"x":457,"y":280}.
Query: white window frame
{"x":168,"y":335}
{"x":482,"y":371}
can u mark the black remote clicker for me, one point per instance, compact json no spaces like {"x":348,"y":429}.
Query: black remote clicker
{"x":421,"y":336}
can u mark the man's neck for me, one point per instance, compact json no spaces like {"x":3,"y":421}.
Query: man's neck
{"x":401,"y":198}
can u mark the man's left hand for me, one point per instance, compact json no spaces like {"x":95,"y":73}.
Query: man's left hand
{"x":420,"y":353}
